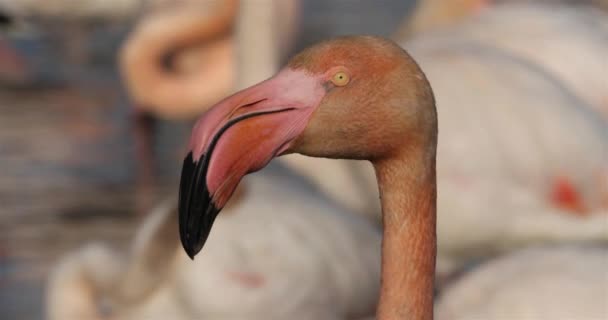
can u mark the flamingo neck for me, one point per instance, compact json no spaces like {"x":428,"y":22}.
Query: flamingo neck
{"x":172,"y":34}
{"x":407,"y":185}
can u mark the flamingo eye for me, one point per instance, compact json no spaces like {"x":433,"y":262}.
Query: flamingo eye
{"x":340,"y":79}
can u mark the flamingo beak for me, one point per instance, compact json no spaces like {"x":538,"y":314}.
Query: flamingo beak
{"x":240,"y":135}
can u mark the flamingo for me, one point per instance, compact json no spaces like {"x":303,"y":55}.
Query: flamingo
{"x":162,"y":35}
{"x":562,"y":282}
{"x":325,"y":259}
{"x":545,"y":34}
{"x":501,"y":164}
{"x":199,"y":46}
{"x":358,"y":97}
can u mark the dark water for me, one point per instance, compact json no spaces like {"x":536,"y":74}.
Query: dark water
{"x":67,"y":165}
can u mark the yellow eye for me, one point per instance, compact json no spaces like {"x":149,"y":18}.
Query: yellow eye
{"x":340,"y":79}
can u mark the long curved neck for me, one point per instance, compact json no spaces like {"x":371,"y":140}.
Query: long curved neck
{"x":167,"y":33}
{"x":408,"y":192}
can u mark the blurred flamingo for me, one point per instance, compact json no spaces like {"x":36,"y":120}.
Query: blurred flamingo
{"x":298,"y":257}
{"x":156,"y":62}
{"x":546,"y":34}
{"x":543,"y":283}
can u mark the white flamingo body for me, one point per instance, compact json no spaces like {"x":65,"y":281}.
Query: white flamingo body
{"x":501,"y":150}
{"x":570,"y":43}
{"x":349,"y":183}
{"x":325,"y":262}
{"x":521,"y":124}
{"x":536,"y":283}
{"x":294,"y":258}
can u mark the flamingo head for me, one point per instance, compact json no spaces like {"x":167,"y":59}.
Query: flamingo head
{"x":355,"y":97}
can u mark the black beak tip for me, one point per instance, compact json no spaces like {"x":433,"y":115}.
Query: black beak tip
{"x":197,"y":212}
{"x":191,"y":248}
{"x":195,"y":229}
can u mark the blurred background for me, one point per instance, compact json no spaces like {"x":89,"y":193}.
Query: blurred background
{"x":97,"y":99}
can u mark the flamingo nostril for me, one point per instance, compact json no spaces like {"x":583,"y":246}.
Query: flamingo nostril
{"x":244,"y":108}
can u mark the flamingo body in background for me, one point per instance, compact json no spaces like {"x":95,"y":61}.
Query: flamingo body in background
{"x":201,"y":47}
{"x":156,"y":63}
{"x":350,"y":183}
{"x":298,"y":257}
{"x":537,"y":283}
{"x":508,"y":204}
{"x":546,"y":36}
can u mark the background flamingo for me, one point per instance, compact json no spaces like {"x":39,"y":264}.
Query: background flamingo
{"x":566,"y":282}
{"x":545,"y":34}
{"x":298,"y":246}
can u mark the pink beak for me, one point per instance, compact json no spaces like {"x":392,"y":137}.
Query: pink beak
{"x":240,"y":135}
